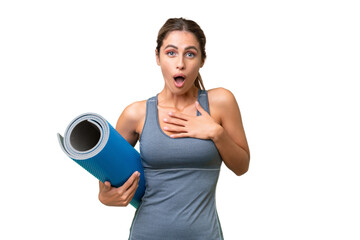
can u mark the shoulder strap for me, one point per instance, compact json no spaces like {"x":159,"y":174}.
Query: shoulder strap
{"x":150,"y":118}
{"x":151,"y":105}
{"x":203,"y":100}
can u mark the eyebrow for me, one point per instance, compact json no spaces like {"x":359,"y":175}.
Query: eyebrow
{"x":187,"y":48}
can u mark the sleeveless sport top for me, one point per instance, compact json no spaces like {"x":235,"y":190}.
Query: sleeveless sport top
{"x":181,"y":176}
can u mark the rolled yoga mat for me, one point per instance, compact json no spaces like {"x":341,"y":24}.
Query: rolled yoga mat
{"x":97,"y":147}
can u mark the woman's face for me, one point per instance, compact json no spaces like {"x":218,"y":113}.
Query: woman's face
{"x":180,"y":60}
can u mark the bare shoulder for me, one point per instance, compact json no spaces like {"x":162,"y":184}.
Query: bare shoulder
{"x":135,"y":111}
{"x":222,"y":99}
{"x":222,"y":102}
{"x":221,"y":96}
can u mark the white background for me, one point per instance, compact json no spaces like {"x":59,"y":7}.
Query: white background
{"x":292,"y":65}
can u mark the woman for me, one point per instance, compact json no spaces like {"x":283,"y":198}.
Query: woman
{"x":182,"y":146}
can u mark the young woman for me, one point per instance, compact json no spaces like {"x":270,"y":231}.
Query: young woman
{"x":185,"y":134}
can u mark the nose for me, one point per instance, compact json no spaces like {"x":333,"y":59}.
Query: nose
{"x":180,"y":63}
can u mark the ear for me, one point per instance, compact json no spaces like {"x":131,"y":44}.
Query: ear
{"x":157,"y":57}
{"x":202,"y":63}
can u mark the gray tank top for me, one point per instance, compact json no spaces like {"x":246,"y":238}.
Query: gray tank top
{"x":181,"y":176}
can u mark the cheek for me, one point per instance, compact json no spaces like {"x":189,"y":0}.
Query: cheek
{"x":167,"y":64}
{"x":194,"y":68}
{"x":166,"y":71}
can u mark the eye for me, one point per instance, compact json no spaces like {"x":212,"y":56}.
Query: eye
{"x":170,"y":53}
{"x":190,"y":54}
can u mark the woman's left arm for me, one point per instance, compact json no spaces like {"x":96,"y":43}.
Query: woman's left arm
{"x":229,"y":138}
{"x":224,"y":127}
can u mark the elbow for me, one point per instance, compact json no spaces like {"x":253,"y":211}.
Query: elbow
{"x":243,"y":169}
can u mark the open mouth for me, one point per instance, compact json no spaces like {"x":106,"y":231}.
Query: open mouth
{"x":179,"y":80}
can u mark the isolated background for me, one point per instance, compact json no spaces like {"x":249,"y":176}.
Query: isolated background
{"x":292,"y":65}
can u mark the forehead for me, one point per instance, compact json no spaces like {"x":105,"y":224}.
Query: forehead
{"x":181,"y":39}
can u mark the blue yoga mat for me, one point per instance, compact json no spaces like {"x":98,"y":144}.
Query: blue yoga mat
{"x":97,"y":147}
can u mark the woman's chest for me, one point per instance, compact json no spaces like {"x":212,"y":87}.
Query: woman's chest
{"x":164,"y":152}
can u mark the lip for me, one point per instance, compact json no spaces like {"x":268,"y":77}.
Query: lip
{"x":179,"y":84}
{"x":179,"y":75}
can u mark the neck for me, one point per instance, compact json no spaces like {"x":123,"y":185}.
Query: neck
{"x":167,"y":98}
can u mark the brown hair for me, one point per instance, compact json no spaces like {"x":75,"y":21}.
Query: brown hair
{"x":181,"y":24}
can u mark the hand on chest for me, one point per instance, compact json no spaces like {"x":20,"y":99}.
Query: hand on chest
{"x":167,"y":121}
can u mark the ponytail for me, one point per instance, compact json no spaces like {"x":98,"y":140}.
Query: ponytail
{"x":199,"y":83}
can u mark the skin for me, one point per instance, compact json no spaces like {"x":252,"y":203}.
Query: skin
{"x":180,"y":54}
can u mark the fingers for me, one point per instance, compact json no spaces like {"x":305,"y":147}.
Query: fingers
{"x":112,"y":196}
{"x":175,"y":124}
{"x":107,"y":186}
{"x":104,"y":186}
{"x":178,"y":115}
{"x":101,"y":185}
{"x":179,"y":135}
{"x":135,"y":176}
{"x":175,"y":121}
{"x":130,"y":192}
{"x":174,"y":128}
{"x":185,"y":117}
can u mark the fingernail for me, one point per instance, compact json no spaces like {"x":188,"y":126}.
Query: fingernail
{"x":165,"y":119}
{"x":166,"y":128}
{"x":170,"y":113}
{"x":138,"y":174}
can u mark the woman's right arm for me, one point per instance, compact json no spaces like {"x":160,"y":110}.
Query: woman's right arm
{"x":129,"y":126}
